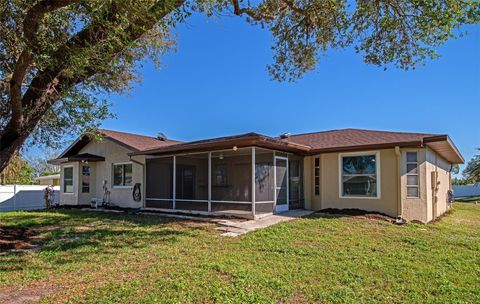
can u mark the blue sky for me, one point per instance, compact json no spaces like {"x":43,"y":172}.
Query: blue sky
{"x":216,"y":84}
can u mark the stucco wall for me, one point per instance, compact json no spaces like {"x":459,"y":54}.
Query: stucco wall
{"x":100,"y":171}
{"x":420,"y":209}
{"x":415,"y":208}
{"x":329,"y":185}
{"x":114,"y":153}
{"x":437,"y":196}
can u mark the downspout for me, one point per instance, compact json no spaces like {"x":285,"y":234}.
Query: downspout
{"x":144,"y":186}
{"x":435,"y":188}
{"x":399,"y":185}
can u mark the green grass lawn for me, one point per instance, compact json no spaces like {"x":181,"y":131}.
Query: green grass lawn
{"x":90,"y":257}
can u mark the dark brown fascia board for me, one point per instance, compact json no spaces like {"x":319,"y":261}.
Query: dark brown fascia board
{"x":74,"y":158}
{"x":416,"y":143}
{"x":57,"y":161}
{"x":84,"y":138}
{"x":247,"y":141}
{"x":79,"y":141}
{"x":200,"y":143}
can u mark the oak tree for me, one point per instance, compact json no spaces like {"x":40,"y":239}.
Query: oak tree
{"x":57,"y":56}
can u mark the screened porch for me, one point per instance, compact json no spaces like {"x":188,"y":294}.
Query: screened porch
{"x":246,"y":182}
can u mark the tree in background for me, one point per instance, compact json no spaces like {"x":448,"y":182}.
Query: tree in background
{"x":57,"y":56}
{"x":18,"y":171}
{"x":460,"y":181}
{"x":472,"y":170}
{"x":40,"y":165}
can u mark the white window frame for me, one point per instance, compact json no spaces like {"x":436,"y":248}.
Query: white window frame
{"x":73,"y":179}
{"x":123,"y":175}
{"x":407,"y":174}
{"x":377,"y":168}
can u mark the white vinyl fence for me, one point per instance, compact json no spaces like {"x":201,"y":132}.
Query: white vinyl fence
{"x":24,"y":197}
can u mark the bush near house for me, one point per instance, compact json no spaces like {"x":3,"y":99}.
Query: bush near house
{"x":87,"y":257}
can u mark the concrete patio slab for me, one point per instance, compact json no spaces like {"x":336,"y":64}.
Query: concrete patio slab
{"x":234,"y":229}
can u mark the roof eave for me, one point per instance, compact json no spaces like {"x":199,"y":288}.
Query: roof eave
{"x":249,"y":141}
{"x":76,"y":158}
{"x":458,"y":157}
{"x":416,"y":143}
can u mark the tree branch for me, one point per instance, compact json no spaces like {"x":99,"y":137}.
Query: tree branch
{"x":53,"y":82}
{"x":35,"y":15}
{"x":237,"y":10}
{"x":255,"y":15}
{"x":31,"y":24}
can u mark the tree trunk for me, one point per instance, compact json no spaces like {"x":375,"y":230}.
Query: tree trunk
{"x":39,"y":97}
{"x":10,"y":143}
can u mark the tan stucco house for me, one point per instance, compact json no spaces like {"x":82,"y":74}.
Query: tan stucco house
{"x":403,"y":175}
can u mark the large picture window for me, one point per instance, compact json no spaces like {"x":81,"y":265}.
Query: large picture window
{"x":359,"y":175}
{"x":122,"y":175}
{"x":68,"y":180}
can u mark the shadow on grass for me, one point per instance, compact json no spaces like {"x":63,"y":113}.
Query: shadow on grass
{"x":72,"y":217}
{"x":73,"y":236}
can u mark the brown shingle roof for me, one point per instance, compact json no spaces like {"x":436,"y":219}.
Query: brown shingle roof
{"x":349,"y":138}
{"x":306,"y":144}
{"x":226,"y":142}
{"x":137,"y":142}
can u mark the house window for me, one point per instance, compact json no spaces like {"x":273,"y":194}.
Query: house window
{"x":359,"y":175}
{"x":85,"y":179}
{"x":412,"y":175}
{"x":68,"y":180}
{"x":220,"y":175}
{"x":122,"y":175}
{"x":317,"y":176}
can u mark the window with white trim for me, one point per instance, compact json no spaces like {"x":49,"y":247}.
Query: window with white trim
{"x":85,"y":178}
{"x":359,"y":175}
{"x":317,"y":176}
{"x":68,"y":180}
{"x":413,"y":189}
{"x":122,"y":175}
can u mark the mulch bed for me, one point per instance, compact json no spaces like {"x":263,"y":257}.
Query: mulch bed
{"x":357,"y":213}
{"x":12,"y":238}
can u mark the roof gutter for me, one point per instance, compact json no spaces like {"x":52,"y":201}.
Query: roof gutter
{"x":416,"y":143}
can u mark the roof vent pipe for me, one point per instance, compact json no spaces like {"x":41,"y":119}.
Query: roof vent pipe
{"x":285,"y":135}
{"x":161,"y":136}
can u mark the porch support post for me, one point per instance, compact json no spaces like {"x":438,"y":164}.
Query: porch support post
{"x":174,"y":182}
{"x":253,"y":182}
{"x":209,"y":181}
{"x":274,"y":183}
{"x":288,"y":184}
